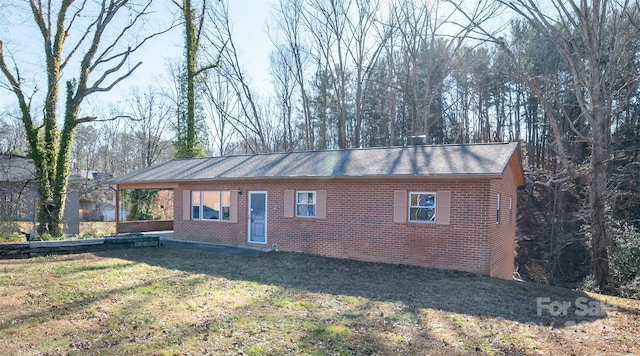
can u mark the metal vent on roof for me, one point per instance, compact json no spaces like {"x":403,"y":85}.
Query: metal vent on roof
{"x":419,"y":140}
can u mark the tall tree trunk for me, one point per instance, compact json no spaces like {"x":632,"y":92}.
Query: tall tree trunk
{"x":50,"y":143}
{"x":191,"y":52}
{"x":189,"y":144}
{"x":597,"y":179}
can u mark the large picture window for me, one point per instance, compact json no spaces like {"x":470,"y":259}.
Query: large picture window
{"x":422,"y":207}
{"x":306,"y":204}
{"x":210,"y":205}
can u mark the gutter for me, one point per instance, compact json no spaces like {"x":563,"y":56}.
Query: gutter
{"x":174,"y":183}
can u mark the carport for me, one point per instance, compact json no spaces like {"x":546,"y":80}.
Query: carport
{"x":141,"y":225}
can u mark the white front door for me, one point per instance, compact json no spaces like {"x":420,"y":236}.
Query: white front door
{"x":258,"y":217}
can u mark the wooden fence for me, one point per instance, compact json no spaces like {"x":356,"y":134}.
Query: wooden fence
{"x":144,"y":226}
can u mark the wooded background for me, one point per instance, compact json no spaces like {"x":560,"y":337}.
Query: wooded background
{"x":561,"y":77}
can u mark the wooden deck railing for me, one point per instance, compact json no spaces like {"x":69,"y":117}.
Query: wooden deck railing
{"x":144,"y":226}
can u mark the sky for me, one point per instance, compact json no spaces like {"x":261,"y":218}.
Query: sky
{"x":249,"y":29}
{"x":249,"y":25}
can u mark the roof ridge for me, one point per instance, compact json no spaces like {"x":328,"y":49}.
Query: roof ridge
{"x":344,"y":150}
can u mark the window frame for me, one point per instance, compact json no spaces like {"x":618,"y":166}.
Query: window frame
{"x":202,"y":204}
{"x":221,"y":204}
{"x":314,"y":204}
{"x":510,"y":209}
{"x":498,"y":209}
{"x":195,"y":193}
{"x":410,"y":206}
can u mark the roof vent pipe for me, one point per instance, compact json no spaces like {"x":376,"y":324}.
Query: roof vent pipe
{"x":419,"y":140}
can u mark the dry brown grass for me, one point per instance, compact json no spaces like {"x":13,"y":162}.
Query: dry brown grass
{"x":164,"y":301}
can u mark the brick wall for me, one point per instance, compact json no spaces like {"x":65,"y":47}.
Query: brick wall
{"x":359,"y":222}
{"x":502,"y":234}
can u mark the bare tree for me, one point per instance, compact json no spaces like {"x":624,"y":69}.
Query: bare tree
{"x":430,"y":47}
{"x":117,"y":148}
{"x":289,"y":20}
{"x":593,"y":39}
{"x":364,"y":54}
{"x":12,"y":135}
{"x":325,"y":101}
{"x":284,"y":85}
{"x":85,"y":148}
{"x":17,"y":199}
{"x":220,"y":104}
{"x":150,"y":123}
{"x":96,"y":33}
{"x":249,"y":124}
{"x":328,"y":22}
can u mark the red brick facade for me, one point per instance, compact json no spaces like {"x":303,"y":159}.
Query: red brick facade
{"x":359,"y":222}
{"x":502,"y":233}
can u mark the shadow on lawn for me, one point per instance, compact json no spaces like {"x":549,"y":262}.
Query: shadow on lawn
{"x":413,"y":287}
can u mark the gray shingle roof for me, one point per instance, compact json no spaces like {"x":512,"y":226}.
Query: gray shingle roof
{"x":474,"y":160}
{"x":16,"y":169}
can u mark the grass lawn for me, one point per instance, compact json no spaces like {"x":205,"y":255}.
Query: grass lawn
{"x":161,"y":301}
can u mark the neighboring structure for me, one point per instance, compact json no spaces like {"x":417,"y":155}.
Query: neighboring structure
{"x":100,"y":211}
{"x":88,"y":210}
{"x":88,"y":176}
{"x":19,"y":194}
{"x":107,"y":212}
{"x":448,"y":206}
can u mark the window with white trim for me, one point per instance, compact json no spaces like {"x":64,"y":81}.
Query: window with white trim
{"x":211,"y":205}
{"x":306,"y":204}
{"x":422,"y":207}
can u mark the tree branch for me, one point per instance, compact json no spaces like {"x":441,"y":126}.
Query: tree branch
{"x":214,"y":65}
{"x":101,"y":58}
{"x":16,"y":87}
{"x":84,"y":36}
{"x":111,"y":70}
{"x":95,"y":88}
{"x":95,"y":119}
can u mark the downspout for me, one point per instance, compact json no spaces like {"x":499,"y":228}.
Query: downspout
{"x":117,"y":209}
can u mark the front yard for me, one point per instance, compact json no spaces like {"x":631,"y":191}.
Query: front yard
{"x":165,"y":301}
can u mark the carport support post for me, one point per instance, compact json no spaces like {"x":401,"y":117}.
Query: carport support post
{"x":117,"y":209}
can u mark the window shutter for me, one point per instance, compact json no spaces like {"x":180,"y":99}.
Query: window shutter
{"x":443,"y":207}
{"x":400,"y":206}
{"x":186,"y":204}
{"x":321,"y":204}
{"x":289,"y":202}
{"x":233,"y":208}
